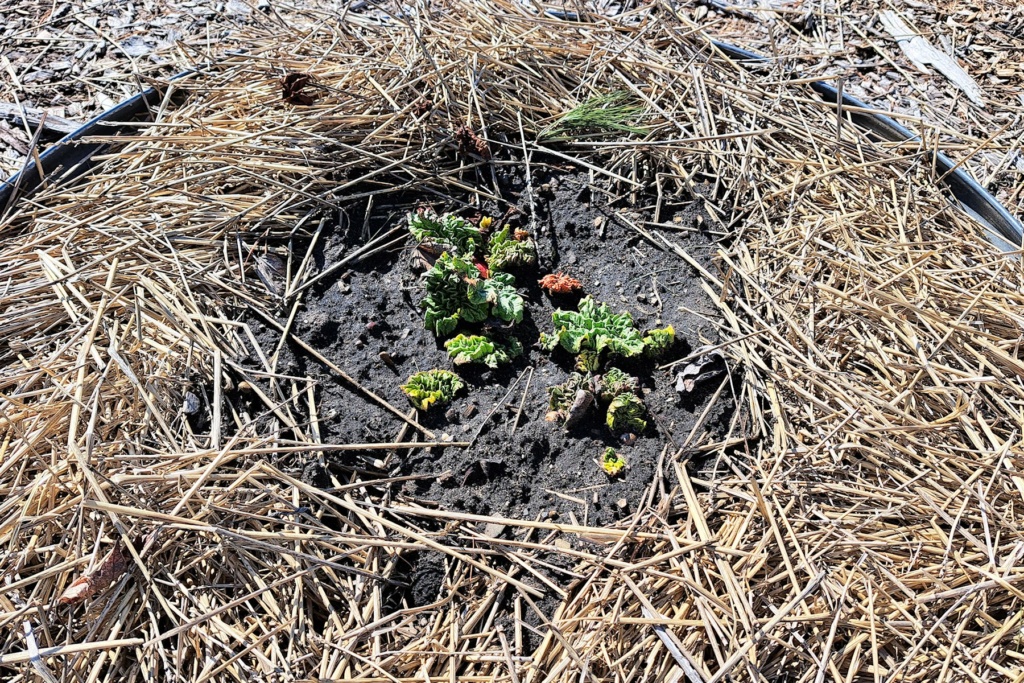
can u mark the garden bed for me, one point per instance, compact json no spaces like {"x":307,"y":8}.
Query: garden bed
{"x":179,"y":476}
{"x":368,"y":319}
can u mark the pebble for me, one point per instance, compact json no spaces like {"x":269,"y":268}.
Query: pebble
{"x":622,"y":503}
{"x":191,"y":406}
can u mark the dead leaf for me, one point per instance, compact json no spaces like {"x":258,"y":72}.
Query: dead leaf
{"x":98,"y":580}
{"x":470,"y":142}
{"x":710,"y":363}
{"x":292,"y":86}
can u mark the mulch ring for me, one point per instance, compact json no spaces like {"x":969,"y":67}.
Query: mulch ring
{"x":205,"y":445}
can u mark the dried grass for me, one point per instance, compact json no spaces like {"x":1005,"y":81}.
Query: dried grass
{"x":859,"y":522}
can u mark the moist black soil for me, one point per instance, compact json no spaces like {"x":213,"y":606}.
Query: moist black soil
{"x":368,"y":320}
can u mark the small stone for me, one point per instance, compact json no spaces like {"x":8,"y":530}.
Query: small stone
{"x":469,"y":411}
{"x":552,"y":514}
{"x":191,"y":403}
{"x":447,"y":438}
{"x":245,"y":387}
{"x":622,"y":503}
{"x":378,"y":464}
{"x":386,"y":358}
{"x":451,"y":415}
{"x":493,"y":529}
{"x":563,"y":544}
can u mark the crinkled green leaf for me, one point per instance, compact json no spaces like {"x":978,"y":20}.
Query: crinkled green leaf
{"x":658,"y":341}
{"x":594,"y":327}
{"x":561,"y":396}
{"x":626,"y":414}
{"x":479,"y":349}
{"x":432,"y":387}
{"x":614,"y":382}
{"x":502,"y":297}
{"x":455,"y":291}
{"x":447,"y":233}
{"x":505,"y":251}
{"x":625,"y":346}
{"x":612,"y":463}
{"x":508,"y":305}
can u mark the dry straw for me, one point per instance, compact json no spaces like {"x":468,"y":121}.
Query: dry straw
{"x":857,"y":523}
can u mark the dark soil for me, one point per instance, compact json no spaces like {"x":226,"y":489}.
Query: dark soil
{"x":531,"y":468}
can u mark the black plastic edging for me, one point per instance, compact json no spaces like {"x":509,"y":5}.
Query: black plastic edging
{"x":69,"y":157}
{"x":1005,"y":231}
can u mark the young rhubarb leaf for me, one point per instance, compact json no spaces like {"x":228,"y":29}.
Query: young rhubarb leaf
{"x":595,"y":328}
{"x":448,"y":233}
{"x":478,"y":349}
{"x":559,"y":284}
{"x":615,"y":382}
{"x":626,"y":414}
{"x":432,"y":387}
{"x":612,"y":463}
{"x":659,"y":341}
{"x":508,"y":249}
{"x":499,"y":293}
{"x":448,"y":297}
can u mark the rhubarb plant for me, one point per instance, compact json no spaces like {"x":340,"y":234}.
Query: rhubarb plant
{"x":615,"y":382}
{"x":432,"y":387}
{"x":659,"y":341}
{"x":478,"y":349}
{"x":596,"y":329}
{"x":455,"y":291}
{"x":612,"y":463}
{"x":510,"y":249}
{"x":567,"y":401}
{"x":559,"y":284}
{"x":447,"y":233}
{"x":626,"y":414}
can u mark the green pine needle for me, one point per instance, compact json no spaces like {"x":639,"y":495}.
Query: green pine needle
{"x":602,"y":113}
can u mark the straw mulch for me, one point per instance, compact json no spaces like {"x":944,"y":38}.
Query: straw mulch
{"x":858,"y":523}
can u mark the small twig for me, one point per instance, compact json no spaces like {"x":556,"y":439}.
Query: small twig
{"x":519,"y":411}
